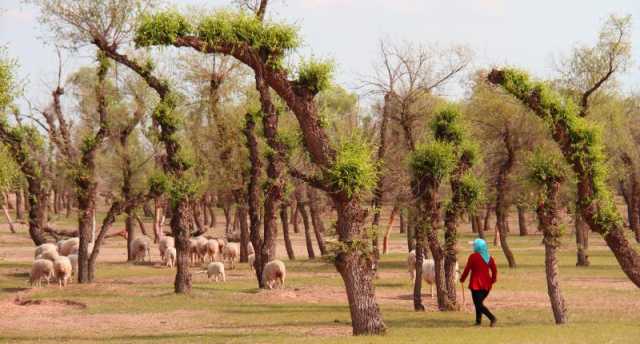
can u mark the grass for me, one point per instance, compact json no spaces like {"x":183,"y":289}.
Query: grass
{"x":135,"y":304}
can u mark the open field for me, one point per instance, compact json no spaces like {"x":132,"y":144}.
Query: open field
{"x":135,"y":303}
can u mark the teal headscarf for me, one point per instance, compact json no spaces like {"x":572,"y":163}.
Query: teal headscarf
{"x":480,"y":246}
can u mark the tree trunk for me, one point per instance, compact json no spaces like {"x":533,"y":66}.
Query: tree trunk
{"x":19,"y":206}
{"x":582,"y":240}
{"x":143,"y":229}
{"x":253,"y":196}
{"x":180,"y":231}
{"x":8,"y":216}
{"x":227,"y":217}
{"x":244,"y":233}
{"x":503,"y":233}
{"x":485,"y":223}
{"x":157,"y":221}
{"x":316,"y":219}
{"x":420,"y":249}
{"x":284,"y":219}
{"x":387,"y":233}
{"x":502,"y":189}
{"x":295,"y":217}
{"x":522,"y":221}
{"x":403,"y":221}
{"x":411,"y":231}
{"x":307,"y":226}
{"x":553,"y":284}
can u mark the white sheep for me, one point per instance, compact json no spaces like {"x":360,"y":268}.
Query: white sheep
{"x":252,"y":260}
{"x":429,"y":273}
{"x":213,"y":247}
{"x":141,"y":248}
{"x":62,"y":269}
{"x":48,"y":255}
{"x":411,"y":265}
{"x":170,"y":257}
{"x":230,"y":253}
{"x":69,"y":246}
{"x":193,"y":251}
{"x":202,"y":248}
{"x":41,"y":269}
{"x":164,"y":244}
{"x":45,"y":247}
{"x":216,"y":269}
{"x":274,"y":274}
{"x":73,"y":258}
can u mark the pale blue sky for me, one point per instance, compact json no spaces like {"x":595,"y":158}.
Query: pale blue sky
{"x":525,"y":33}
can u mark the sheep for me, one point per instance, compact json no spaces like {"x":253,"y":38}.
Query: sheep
{"x":230,"y":253}
{"x":429,"y":274}
{"x":170,"y":257}
{"x":202,"y":248}
{"x":73,"y":258}
{"x":48,"y":255}
{"x":140,"y":248}
{"x":69,"y":246}
{"x":45,"y":247}
{"x":193,"y":251}
{"x":216,"y":269}
{"x":62,"y":269}
{"x":164,"y":244}
{"x":274,"y":273}
{"x":411,"y":265}
{"x":213,"y":248}
{"x":41,"y":269}
{"x":252,"y":260}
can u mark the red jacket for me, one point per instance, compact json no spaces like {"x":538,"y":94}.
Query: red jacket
{"x":480,"y":277}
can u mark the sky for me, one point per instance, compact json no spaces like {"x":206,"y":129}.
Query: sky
{"x":523,"y":33}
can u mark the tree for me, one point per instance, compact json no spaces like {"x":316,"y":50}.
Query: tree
{"x":547,"y":172}
{"x":582,"y":149}
{"x":261,"y":46}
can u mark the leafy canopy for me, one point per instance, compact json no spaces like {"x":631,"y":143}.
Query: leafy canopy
{"x":433,"y":160}
{"x":354,"y":171}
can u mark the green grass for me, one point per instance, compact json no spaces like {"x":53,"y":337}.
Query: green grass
{"x":602,"y":304}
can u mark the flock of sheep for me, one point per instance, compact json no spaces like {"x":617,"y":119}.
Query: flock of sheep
{"x":60,"y":261}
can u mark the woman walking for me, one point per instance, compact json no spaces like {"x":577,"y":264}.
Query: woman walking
{"x":483,"y":275}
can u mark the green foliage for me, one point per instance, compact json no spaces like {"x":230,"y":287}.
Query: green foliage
{"x":161,"y":28}
{"x":158,"y":184}
{"x":336,"y":249}
{"x":446,"y":124}
{"x":89,"y":143}
{"x":226,"y":27}
{"x":315,"y":75}
{"x":472,"y":191}
{"x":354,"y":170}
{"x":586,"y":151}
{"x":545,"y":168}
{"x":7,"y":82}
{"x":433,"y":160}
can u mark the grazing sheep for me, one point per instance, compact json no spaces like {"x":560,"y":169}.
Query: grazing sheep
{"x":74,"y":263}
{"x":164,"y":244}
{"x":41,"y":269}
{"x":213,"y":247}
{"x":274,"y":273}
{"x":429,"y":273}
{"x":216,"y":269}
{"x":141,"y":248}
{"x":252,"y":260}
{"x":202,"y":247}
{"x":193,"y":251}
{"x":45,"y":247}
{"x":230,"y":253}
{"x":62,"y":269}
{"x":411,"y":265}
{"x":170,"y":257}
{"x":69,"y":246}
{"x":48,"y":255}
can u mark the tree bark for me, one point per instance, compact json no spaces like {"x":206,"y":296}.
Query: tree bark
{"x":305,"y":223}
{"x":8,"y":216}
{"x":403,"y":221}
{"x":387,"y":233}
{"x":316,"y":218}
{"x":582,"y":240}
{"x":284,"y":219}
{"x":19,"y":206}
{"x":253,"y":196}
{"x":295,"y":218}
{"x":502,"y":189}
{"x":522,"y":221}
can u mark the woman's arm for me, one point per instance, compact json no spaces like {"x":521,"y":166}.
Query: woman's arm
{"x":466,"y":270}
{"x":494,"y":271}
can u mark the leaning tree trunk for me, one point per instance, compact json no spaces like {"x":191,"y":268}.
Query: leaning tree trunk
{"x":356,"y":270}
{"x":501,"y":206}
{"x":284,"y":219}
{"x":19,"y":209}
{"x":305,"y":222}
{"x":387,"y":233}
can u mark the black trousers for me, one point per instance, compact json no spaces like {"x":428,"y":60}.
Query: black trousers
{"x":478,"y":299}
